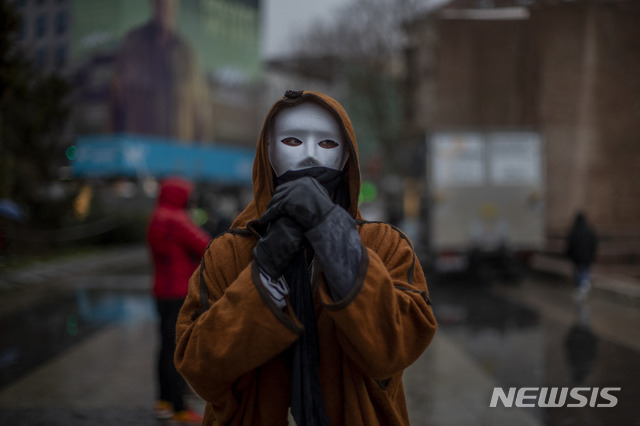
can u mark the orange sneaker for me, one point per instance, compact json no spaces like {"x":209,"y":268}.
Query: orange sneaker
{"x":163,"y":409}
{"x":187,"y":416}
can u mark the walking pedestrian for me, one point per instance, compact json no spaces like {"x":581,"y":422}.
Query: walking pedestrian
{"x":176,"y":245}
{"x":303,"y":313}
{"x":582,"y":245}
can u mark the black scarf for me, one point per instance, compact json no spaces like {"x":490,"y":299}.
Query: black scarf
{"x":307,"y":404}
{"x":331,"y":179}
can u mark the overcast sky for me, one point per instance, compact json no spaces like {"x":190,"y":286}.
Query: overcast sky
{"x":283,"y":19}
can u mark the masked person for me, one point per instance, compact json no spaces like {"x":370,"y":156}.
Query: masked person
{"x":303,"y":313}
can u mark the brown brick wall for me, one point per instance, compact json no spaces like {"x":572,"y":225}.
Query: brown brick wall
{"x":566,"y":103}
{"x":485,"y":74}
{"x":590,"y":104}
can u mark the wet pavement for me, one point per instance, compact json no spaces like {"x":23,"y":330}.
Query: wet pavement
{"x":531,"y":335}
{"x":83,"y":354}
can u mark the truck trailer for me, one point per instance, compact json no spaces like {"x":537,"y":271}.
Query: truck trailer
{"x":485,"y":199}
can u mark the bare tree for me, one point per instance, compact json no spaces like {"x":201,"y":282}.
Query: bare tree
{"x":34,"y":108}
{"x":366,"y":31}
{"x":365,"y":47}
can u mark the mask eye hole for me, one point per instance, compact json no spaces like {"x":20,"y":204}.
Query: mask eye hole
{"x":291,"y":141}
{"x":328,"y":144}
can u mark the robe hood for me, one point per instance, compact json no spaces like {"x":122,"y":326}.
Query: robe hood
{"x":263,"y":175}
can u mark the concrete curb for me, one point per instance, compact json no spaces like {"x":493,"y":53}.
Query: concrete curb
{"x":616,"y":287}
{"x":621,"y":289}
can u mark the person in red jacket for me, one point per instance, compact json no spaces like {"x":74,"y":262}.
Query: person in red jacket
{"x":176,"y":245}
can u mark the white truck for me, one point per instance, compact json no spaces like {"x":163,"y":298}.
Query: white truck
{"x":486,"y":195}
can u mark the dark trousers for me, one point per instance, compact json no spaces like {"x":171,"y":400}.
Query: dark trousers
{"x":171,"y":383}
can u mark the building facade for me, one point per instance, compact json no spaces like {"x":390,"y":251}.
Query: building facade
{"x":45,"y":32}
{"x":565,"y":69}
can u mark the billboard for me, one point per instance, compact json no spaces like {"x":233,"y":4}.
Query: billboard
{"x":150,"y":67}
{"x":224,"y":34}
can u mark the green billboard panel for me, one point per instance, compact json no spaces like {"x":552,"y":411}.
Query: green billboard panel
{"x":224,"y":34}
{"x":151,"y":67}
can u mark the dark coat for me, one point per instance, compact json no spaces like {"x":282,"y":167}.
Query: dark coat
{"x":582,"y":242}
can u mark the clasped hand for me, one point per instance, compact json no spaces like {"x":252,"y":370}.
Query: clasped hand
{"x":303,"y":200}
{"x":295,"y":208}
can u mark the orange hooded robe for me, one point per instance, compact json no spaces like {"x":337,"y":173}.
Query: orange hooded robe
{"x":232,"y":338}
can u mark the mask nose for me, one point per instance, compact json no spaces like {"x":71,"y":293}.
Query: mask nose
{"x":310,"y":158}
{"x":310,"y":162}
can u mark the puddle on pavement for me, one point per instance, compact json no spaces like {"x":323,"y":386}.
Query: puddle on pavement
{"x":30,"y":337}
{"x":519,"y":347}
{"x":514,"y":344}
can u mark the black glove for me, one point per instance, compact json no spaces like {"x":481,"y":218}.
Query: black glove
{"x":338,"y":250}
{"x":304,"y":200}
{"x":274,"y":252}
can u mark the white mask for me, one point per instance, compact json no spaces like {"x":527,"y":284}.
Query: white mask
{"x":305,"y":136}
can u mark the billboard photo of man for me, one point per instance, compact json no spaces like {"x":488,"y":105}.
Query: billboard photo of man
{"x":158,"y":86}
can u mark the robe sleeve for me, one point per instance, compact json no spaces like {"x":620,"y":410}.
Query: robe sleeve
{"x":386,"y":321}
{"x":241,"y":330}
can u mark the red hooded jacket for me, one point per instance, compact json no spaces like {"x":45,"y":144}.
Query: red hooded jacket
{"x":175,"y":242}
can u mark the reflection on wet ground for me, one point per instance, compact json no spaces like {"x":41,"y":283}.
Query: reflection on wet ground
{"x":32,"y":336}
{"x":503,"y":337}
{"x":509,"y":335}
{"x":521,"y":347}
